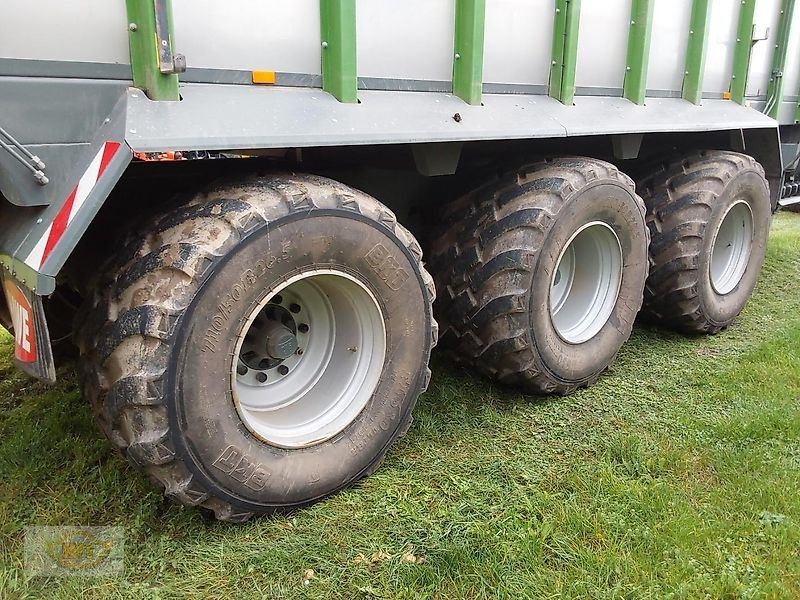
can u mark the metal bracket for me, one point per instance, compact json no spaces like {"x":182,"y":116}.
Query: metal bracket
{"x":36,"y":166}
{"x":168,"y":63}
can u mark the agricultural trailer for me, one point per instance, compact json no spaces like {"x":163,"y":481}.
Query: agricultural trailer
{"x":254,"y":330}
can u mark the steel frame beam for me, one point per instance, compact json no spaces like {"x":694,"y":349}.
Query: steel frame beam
{"x":468,"y":55}
{"x":145,"y":50}
{"x":338,"y":30}
{"x":696,"y":51}
{"x":565,"y":50}
{"x":742,"y":51}
{"x":635,"y":86}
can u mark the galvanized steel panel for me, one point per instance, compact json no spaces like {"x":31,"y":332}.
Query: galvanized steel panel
{"x":791,"y":74}
{"x":519,"y":37}
{"x":298,"y":117}
{"x":721,"y":45}
{"x":668,"y":45}
{"x":279,"y":35}
{"x":412,"y":39}
{"x":603,"y":44}
{"x":767,"y":12}
{"x":74,"y":30}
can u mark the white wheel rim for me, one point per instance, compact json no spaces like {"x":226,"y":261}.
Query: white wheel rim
{"x":586,"y":282}
{"x":730,"y":251}
{"x":309,"y":359}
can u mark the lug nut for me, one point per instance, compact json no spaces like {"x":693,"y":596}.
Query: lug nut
{"x":261,"y":377}
{"x":283,"y":370}
{"x":302,"y":328}
{"x":277,"y":299}
{"x":241,"y":369}
{"x":295,"y":308}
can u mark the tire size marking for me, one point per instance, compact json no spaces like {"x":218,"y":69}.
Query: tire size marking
{"x":386,"y":267}
{"x":236,"y":464}
{"x":248,"y":280}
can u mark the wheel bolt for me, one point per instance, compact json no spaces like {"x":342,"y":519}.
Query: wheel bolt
{"x":241,"y":370}
{"x":302,"y":328}
{"x":261,"y":377}
{"x":277,"y":299}
{"x":283,"y":370}
{"x":295,"y":308}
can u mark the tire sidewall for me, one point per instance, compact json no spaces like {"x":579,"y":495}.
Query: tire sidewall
{"x":615,"y":205}
{"x":751,"y":187}
{"x":205,"y":425}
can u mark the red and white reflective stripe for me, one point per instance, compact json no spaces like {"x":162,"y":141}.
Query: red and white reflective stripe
{"x":72,"y":205}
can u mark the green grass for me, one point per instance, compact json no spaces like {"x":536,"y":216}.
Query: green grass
{"x":676,"y":476}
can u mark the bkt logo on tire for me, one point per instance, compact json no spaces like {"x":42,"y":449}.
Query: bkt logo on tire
{"x":22,"y":318}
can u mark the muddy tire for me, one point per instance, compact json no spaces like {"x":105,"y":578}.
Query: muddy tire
{"x":192,"y":344}
{"x":540,"y":274}
{"x":709,"y":216}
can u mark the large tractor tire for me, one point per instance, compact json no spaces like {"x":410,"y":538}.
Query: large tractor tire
{"x":540,"y":274}
{"x":709,"y":216}
{"x":261,"y":346}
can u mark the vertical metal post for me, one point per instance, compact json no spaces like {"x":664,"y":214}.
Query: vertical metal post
{"x":638,"y":51}
{"x":742,"y":51}
{"x":696,"y":51}
{"x":468,"y":55}
{"x":565,"y":50}
{"x":775,"y":86}
{"x":338,"y":29}
{"x":146,"y":48}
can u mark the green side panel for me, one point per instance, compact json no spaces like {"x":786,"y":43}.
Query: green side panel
{"x":775,"y":87}
{"x":696,"y":51}
{"x":338,"y":28}
{"x":468,"y":58}
{"x":565,"y":50}
{"x":638,"y":50}
{"x":144,"y":50}
{"x":741,"y":54}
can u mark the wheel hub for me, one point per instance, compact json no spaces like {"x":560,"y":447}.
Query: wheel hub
{"x":730,"y":251}
{"x":309,"y":359}
{"x":586,"y":282}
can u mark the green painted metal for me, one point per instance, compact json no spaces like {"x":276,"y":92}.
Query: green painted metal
{"x":468,"y":56}
{"x":338,"y":29}
{"x":696,"y":51}
{"x":638,"y":50}
{"x":775,"y":86}
{"x":147,"y":75}
{"x":565,"y":50}
{"x":742,"y":51}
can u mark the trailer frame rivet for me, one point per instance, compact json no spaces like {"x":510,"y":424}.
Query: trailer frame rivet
{"x":133,"y":27}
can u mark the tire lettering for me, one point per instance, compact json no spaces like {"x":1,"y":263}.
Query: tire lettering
{"x":240,"y":467}
{"x":386,"y":267}
{"x":249,"y":279}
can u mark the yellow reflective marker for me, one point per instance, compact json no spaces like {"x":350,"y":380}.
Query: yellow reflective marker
{"x":264,"y":77}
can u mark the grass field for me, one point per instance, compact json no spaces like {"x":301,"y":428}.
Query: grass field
{"x":676,"y":476}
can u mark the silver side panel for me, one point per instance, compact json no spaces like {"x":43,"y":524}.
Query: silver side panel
{"x":766,"y":17}
{"x":603,"y":44}
{"x":260,"y":35}
{"x":668,"y":45}
{"x":518,"y":42}
{"x":721,"y":45}
{"x":412,"y":39}
{"x":297,"y":117}
{"x":50,"y":30}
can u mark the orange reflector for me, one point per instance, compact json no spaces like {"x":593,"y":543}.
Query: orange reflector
{"x":726,"y":95}
{"x":267,"y":77}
